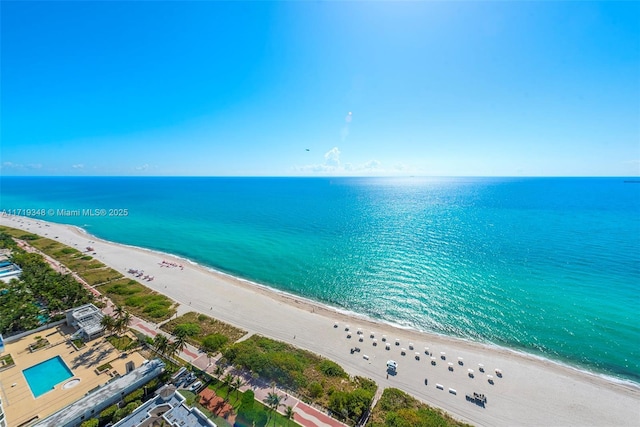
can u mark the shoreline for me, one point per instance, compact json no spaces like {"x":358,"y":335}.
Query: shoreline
{"x":297,"y":299}
{"x":295,"y":313}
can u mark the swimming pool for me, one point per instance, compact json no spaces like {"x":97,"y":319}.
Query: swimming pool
{"x":45,"y":375}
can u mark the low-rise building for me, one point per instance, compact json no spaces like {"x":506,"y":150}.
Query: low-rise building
{"x":87,"y":319}
{"x":167,"y":408}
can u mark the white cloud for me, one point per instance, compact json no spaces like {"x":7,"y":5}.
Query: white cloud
{"x":332,"y":157}
{"x":11,"y":165}
{"x":372,"y":165}
{"x":78,"y":166}
{"x":142,"y":168}
{"x":333,"y":166}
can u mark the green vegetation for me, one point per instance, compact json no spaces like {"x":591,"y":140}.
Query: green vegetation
{"x":40,"y":343}
{"x":331,"y":369}
{"x":79,"y":343}
{"x":92,"y":271}
{"x":203,"y":331}
{"x":139,"y":300}
{"x":104,"y":367}
{"x":6,"y":361}
{"x":107,"y":414}
{"x":122,"y":343}
{"x":248,"y":411}
{"x":213,"y":343}
{"x":316,"y":379}
{"x":187,"y":330}
{"x":40,"y":292}
{"x":133,"y":396}
{"x":397,"y":409}
{"x":92,"y":422}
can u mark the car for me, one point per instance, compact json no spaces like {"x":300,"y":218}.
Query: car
{"x":195,"y":386}
{"x":392,"y":365}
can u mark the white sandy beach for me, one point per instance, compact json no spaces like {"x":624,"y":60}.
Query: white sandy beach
{"x":532,"y":392}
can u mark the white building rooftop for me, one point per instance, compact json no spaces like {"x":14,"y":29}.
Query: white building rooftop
{"x":167,"y":407}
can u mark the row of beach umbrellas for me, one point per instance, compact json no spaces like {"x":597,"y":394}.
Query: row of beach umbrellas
{"x":403,"y":351}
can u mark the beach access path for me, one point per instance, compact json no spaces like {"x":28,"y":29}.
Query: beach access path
{"x":531,"y":391}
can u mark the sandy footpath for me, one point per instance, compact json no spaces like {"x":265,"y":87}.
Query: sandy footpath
{"x":531,"y":391}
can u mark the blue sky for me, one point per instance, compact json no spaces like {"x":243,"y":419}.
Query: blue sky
{"x":320,"y":88}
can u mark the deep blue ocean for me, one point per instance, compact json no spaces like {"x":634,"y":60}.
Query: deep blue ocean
{"x":548,"y":266}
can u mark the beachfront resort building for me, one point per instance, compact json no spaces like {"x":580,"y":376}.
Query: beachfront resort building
{"x":93,"y":403}
{"x":87,"y":320}
{"x":167,"y":408}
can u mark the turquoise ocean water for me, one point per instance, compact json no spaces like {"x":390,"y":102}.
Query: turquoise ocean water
{"x":548,"y":266}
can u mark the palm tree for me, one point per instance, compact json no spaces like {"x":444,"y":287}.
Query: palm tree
{"x":161,"y":343}
{"x":288,"y":413}
{"x":218,"y":371}
{"x":108,"y":323}
{"x":273,"y":400}
{"x":237,"y":383}
{"x":178,"y":345}
{"x":122,"y":324}
{"x":118,"y":311}
{"x":228,"y":380}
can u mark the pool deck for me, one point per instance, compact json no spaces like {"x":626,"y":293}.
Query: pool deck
{"x":19,"y":404}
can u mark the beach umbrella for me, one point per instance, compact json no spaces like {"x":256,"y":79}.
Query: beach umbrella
{"x":346,"y":327}
{"x":417,"y":355}
{"x":371,"y":335}
{"x":480,"y":367}
{"x":388,"y":346}
{"x":384,"y":337}
{"x":403,"y":351}
{"x":335,"y":325}
{"x":426,"y":350}
{"x":470,"y":371}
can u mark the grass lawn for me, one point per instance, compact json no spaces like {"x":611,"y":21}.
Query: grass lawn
{"x":207,"y":326}
{"x":139,"y":300}
{"x":121,"y":343}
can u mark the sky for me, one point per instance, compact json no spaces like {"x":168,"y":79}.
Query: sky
{"x":320,"y":88}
